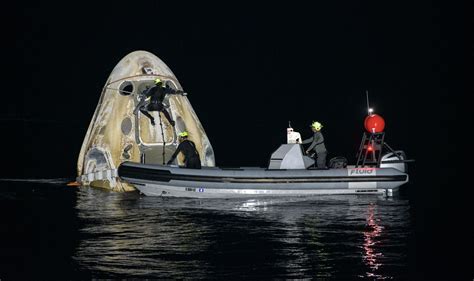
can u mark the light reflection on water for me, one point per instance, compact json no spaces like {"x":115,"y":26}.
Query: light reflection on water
{"x":372,"y":255}
{"x":125,"y":234}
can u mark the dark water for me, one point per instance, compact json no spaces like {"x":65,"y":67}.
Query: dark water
{"x":59,"y":232}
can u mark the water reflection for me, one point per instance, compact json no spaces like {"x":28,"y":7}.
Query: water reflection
{"x":371,"y":253}
{"x":253,"y":205}
{"x":320,"y":237}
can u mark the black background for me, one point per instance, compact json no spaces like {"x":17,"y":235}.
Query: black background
{"x":249,"y":70}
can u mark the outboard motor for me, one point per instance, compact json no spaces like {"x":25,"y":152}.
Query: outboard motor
{"x":395,"y":159}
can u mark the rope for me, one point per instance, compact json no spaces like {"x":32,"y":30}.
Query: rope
{"x":143,"y":75}
{"x":162,"y":137}
{"x":128,"y":92}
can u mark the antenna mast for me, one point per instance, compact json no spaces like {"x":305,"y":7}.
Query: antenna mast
{"x":368,"y":106}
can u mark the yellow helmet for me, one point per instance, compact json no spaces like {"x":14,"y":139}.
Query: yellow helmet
{"x":158,"y":81}
{"x":316,"y":125}
{"x":183,"y":134}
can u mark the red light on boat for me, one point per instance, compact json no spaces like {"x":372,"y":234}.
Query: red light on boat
{"x":374,"y":123}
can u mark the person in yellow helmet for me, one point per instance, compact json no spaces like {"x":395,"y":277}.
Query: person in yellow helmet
{"x":156,"y":95}
{"x":188,"y":148}
{"x":317,"y":144}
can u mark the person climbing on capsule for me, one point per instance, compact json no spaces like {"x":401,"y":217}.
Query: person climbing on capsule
{"x":152,"y":100}
{"x":188,"y":148}
{"x":317,"y":144}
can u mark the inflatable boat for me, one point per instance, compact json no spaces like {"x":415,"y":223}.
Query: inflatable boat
{"x":289,"y":173}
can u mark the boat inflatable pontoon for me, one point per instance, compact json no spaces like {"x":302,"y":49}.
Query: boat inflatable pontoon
{"x":289,"y":173}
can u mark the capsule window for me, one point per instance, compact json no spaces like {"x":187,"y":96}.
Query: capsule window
{"x":126,"y":126}
{"x":126,"y":88}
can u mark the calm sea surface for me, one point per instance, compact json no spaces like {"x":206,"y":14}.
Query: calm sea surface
{"x":81,"y":233}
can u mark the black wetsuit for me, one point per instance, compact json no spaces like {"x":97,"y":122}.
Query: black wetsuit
{"x":191,"y":156}
{"x":317,"y":143}
{"x":157,"y":95}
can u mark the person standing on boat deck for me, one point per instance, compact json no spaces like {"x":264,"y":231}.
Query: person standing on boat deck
{"x":155,"y":96}
{"x":317,"y":143}
{"x":188,"y":148}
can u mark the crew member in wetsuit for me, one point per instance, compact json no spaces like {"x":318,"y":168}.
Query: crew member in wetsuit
{"x":156,"y":95}
{"x":188,"y":148}
{"x":317,"y":143}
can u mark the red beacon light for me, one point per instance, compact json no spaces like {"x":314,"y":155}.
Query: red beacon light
{"x":374,"y":123}
{"x":372,"y":144}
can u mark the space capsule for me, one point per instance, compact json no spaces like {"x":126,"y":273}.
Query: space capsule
{"x":118,"y":132}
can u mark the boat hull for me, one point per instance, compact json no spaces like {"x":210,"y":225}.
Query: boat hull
{"x":158,"y":180}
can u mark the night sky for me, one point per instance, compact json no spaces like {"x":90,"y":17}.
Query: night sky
{"x":248,"y":70}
